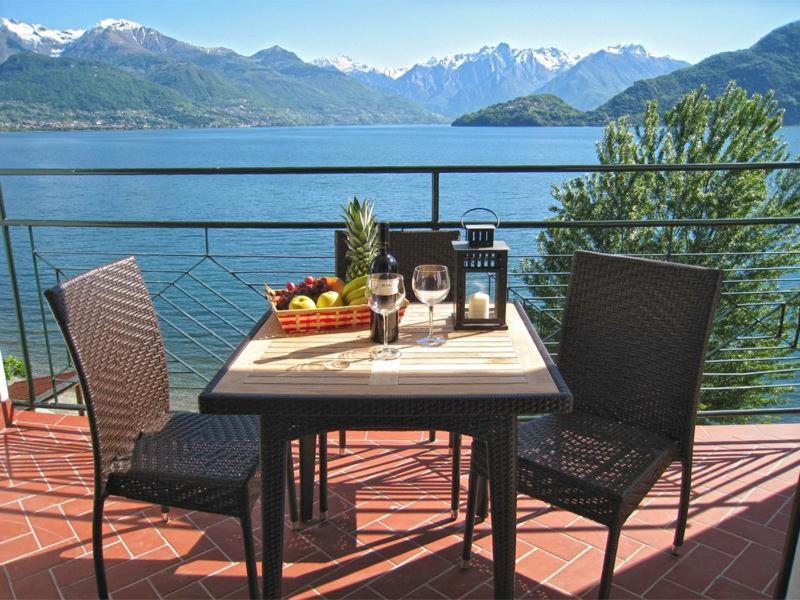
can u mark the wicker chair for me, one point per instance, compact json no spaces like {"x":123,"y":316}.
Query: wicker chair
{"x":632,"y":349}
{"x":412,"y":248}
{"x":141,"y":450}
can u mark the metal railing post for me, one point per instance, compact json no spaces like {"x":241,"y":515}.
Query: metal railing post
{"x":435,"y":200}
{"x":42,"y":312}
{"x":12,"y":275}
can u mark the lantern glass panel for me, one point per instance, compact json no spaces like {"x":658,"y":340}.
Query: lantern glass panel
{"x":481,"y":296}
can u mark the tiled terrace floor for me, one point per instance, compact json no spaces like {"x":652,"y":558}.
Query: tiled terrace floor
{"x":389,"y":534}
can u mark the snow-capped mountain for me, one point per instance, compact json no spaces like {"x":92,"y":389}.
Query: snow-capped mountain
{"x":118,"y":37}
{"x":465,"y":82}
{"x":601,"y":75}
{"x":24,"y":37}
{"x":462,"y":82}
{"x":183,"y":84}
{"x":383,"y":79}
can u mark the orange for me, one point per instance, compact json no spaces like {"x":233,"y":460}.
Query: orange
{"x":336,"y":284}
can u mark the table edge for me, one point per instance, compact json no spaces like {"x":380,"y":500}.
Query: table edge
{"x":563,"y":391}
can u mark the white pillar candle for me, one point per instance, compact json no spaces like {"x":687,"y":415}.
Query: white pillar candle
{"x":479,"y":306}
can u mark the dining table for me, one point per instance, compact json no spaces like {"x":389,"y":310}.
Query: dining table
{"x":478,"y":383}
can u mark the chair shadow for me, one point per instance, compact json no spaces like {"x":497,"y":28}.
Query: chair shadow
{"x":355,"y":553}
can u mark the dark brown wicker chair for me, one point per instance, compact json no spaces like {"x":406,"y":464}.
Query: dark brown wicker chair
{"x":412,"y":248}
{"x":632,"y":350}
{"x":141,"y":450}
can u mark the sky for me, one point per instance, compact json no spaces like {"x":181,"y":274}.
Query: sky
{"x":395,"y":33}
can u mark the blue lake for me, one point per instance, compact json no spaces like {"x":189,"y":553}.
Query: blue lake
{"x":242,"y":198}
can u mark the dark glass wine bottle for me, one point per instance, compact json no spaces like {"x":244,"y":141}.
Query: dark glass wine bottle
{"x":384,"y":263}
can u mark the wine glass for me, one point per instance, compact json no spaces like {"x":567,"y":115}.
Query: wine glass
{"x":385,"y":293}
{"x":431,"y":284}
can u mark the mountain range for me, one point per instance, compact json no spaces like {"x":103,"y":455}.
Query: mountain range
{"x":465,"y":82}
{"x":773,"y":63}
{"x":123,"y":74}
{"x":54,"y":79}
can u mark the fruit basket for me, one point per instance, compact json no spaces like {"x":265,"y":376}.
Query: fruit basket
{"x":322,"y":319}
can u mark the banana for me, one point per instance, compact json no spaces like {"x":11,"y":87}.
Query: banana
{"x":354,"y":285}
{"x":357,"y":301}
{"x":355,"y":294}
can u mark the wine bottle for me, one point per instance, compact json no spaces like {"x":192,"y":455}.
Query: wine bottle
{"x":384,"y":263}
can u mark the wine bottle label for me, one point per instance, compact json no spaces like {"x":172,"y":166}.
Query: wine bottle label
{"x":384,"y":287}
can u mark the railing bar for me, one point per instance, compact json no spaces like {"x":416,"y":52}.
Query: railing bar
{"x":191,"y":318}
{"x":190,"y":338}
{"x":674,"y":254}
{"x":213,"y":312}
{"x":789,"y":410}
{"x":40,"y":298}
{"x":15,"y":293}
{"x":185,"y":364}
{"x":793,"y":356}
{"x":279,"y":225}
{"x":413,"y":169}
{"x":221,"y":297}
{"x":234,"y":275}
{"x":752,"y":373}
{"x":749,"y":387}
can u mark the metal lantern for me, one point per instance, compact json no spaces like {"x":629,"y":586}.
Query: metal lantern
{"x":480,"y":284}
{"x":480,"y":235}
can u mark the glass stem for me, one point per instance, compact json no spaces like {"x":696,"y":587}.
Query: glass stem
{"x":385,"y":333}
{"x":430,"y":321}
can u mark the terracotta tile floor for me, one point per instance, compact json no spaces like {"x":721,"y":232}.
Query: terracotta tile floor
{"x":388,"y":534}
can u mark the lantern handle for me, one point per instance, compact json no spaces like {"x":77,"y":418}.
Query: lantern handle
{"x":497,"y":224}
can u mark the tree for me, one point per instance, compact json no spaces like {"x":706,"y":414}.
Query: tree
{"x":730,"y":128}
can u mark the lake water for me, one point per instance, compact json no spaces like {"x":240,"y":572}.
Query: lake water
{"x":241,"y":198}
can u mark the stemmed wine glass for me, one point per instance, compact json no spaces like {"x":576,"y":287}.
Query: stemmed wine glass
{"x":431,"y":284}
{"x":385,"y":293}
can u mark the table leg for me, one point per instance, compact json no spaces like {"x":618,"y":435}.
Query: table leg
{"x":308,"y":451}
{"x":502,"y":456}
{"x":323,"y":476}
{"x":273,"y":480}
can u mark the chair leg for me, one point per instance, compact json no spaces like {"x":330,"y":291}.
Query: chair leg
{"x":431,"y":436}
{"x":164,"y":513}
{"x":608,"y":562}
{"x":450,"y":441}
{"x":291,"y":489}
{"x":455,"y":478}
{"x":683,"y":508}
{"x":97,"y":547}
{"x":323,"y":475}
{"x":469,"y":520}
{"x":342,"y":442}
{"x":249,"y":553}
{"x":483,"y":500}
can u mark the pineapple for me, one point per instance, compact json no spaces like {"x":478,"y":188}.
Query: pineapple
{"x":362,"y":237}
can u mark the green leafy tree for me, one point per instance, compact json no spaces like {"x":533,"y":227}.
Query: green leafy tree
{"x":13,"y":366}
{"x":732,"y":128}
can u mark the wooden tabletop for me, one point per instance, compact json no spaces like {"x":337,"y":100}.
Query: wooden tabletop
{"x":338,"y":363}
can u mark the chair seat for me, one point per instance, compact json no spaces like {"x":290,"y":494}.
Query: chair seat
{"x":196,"y":461}
{"x":589,"y":465}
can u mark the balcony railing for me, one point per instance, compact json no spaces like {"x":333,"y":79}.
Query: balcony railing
{"x":207,"y":297}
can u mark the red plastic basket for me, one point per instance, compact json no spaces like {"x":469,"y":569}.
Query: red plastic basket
{"x":323,"y":319}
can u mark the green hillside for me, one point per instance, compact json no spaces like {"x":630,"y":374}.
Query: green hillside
{"x":36,"y":87}
{"x":771,"y":64}
{"x":543,"y":110}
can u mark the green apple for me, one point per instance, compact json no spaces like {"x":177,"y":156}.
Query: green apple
{"x":329,"y":299}
{"x":301,"y":303}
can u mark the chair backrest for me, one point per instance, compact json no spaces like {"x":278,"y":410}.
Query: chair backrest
{"x":410,"y":248}
{"x":634,"y":339}
{"x":112,"y":332}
